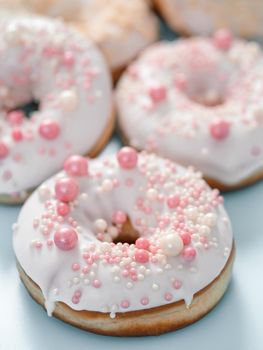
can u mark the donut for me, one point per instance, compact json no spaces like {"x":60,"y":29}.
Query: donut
{"x":129,"y":244}
{"x":120,"y":28}
{"x":42,"y":60}
{"x":204,"y":17}
{"x":197,"y":101}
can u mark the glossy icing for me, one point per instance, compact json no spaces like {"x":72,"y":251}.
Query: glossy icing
{"x":198,"y":102}
{"x":66,"y":247}
{"x":42,"y":59}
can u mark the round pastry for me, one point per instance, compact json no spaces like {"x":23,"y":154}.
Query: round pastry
{"x":198,"y":101}
{"x":128,"y":245}
{"x":120,"y":28}
{"x":43,"y":60}
{"x":204,"y":17}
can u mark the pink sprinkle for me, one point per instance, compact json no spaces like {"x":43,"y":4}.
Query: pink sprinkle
{"x":189,"y":253}
{"x":17,"y":135}
{"x":119,"y":217}
{"x":177,"y":284}
{"x":75,"y":300}
{"x":16,"y":117}
{"x":68,"y":59}
{"x":76,"y":166}
{"x":127,"y":158}
{"x":141,"y":256}
{"x":75,"y":267}
{"x":65,"y":238}
{"x":3,"y":150}
{"x":219,"y":129}
{"x":66,"y":189}
{"x":168,"y":296}
{"x":186,"y":238}
{"x":63,"y":209}
{"x":145,"y":301}
{"x":49,"y":129}
{"x":50,"y":243}
{"x":157,"y":93}
{"x":125,"y":304}
{"x":38,"y":244}
{"x":173,"y":201}
{"x":223,"y":39}
{"x":77,"y":293}
{"x":96,"y":283}
{"x":142,"y":243}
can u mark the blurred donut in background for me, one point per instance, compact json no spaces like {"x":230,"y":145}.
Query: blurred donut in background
{"x":120,"y":28}
{"x":244,"y":18}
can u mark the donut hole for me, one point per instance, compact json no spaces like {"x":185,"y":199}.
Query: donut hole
{"x":127,"y":234}
{"x":204,"y":75}
{"x":28,"y":109}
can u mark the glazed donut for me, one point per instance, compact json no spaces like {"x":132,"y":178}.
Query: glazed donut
{"x":244,"y":18}
{"x":154,"y":254}
{"x":43,"y":60}
{"x":120,"y":28}
{"x":198,"y":101}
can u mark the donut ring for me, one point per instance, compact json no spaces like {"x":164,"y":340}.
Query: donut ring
{"x":69,"y":78}
{"x":204,"y":17}
{"x":74,"y":258}
{"x":120,"y":28}
{"x":197,"y":101}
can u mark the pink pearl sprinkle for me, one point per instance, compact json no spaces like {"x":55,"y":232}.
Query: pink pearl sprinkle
{"x":119,"y":217}
{"x":168,"y":296}
{"x":17,"y":135}
{"x":75,"y":267}
{"x":173,"y":201}
{"x":65,"y":238}
{"x":49,"y":129}
{"x":127,"y":158}
{"x":157,"y":93}
{"x":63,"y":209}
{"x":77,"y":293}
{"x":125,"y":304}
{"x":189,"y":253}
{"x":75,"y":300}
{"x":186,"y":238}
{"x":3,"y":150}
{"x":219,"y":129}
{"x":76,"y":166}
{"x":141,"y":256}
{"x":145,"y":301}
{"x":96,"y":283}
{"x":142,"y":243}
{"x":177,"y":284}
{"x":223,"y":39}
{"x":66,"y":189}
{"x":68,"y":59}
{"x":16,"y":117}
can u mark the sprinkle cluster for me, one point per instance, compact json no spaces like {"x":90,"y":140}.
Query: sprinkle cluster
{"x":173,"y":213}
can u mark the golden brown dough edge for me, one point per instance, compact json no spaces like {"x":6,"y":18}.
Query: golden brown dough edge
{"x":154,"y":321}
{"x":95,"y":150}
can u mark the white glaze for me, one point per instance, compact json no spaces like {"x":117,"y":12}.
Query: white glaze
{"x":51,"y":269}
{"x":178,"y":127}
{"x":82,"y":112}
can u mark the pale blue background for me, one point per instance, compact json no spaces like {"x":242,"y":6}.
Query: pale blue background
{"x":235,"y":324}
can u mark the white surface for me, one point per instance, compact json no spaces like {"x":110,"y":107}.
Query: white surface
{"x":236,"y":323}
